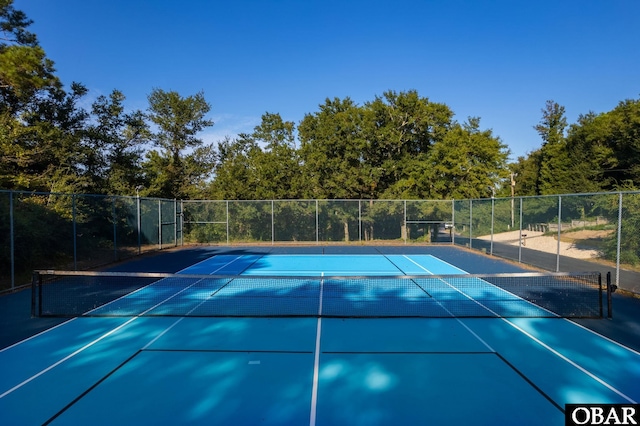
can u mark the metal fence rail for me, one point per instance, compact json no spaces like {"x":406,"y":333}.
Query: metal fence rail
{"x":73,"y":231}
{"x":50,"y":230}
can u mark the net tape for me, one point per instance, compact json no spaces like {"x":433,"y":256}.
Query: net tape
{"x":530,"y":294}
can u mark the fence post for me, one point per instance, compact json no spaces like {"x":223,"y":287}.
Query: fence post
{"x":34,"y":284}
{"x":493,"y":207}
{"x":619,"y":238}
{"x":11,"y":242}
{"x":559,"y":232}
{"x":115,"y":229}
{"x":181,"y":222}
{"x":470,"y":223}
{"x":139,"y":222}
{"x":359,"y":220}
{"x":75,"y":233}
{"x":273,"y":235}
{"x":520,"y":235}
{"x":160,"y":224}
{"x":175,"y":222}
{"x":404,"y":224}
{"x":453,"y":222}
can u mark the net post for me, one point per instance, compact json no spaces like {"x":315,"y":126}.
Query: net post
{"x":610,"y":290}
{"x":600,"y":294}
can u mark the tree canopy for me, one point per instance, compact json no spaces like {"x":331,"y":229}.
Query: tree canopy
{"x":397,"y":145}
{"x":601,"y":152}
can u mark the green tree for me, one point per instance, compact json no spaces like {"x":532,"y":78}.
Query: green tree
{"x":24,"y":68}
{"x":49,"y":144}
{"x":590,"y":155}
{"x":332,"y":146}
{"x":402,"y":128}
{"x":554,"y":165}
{"x":260,"y":165}
{"x":526,"y":175}
{"x":235,"y":170}
{"x":26,"y":83}
{"x":468,"y":162}
{"x":114,"y":146}
{"x":171,"y":172}
{"x":605,"y":148}
{"x":278,"y":166}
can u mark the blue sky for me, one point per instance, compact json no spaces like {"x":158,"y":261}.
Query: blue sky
{"x":499,"y":60}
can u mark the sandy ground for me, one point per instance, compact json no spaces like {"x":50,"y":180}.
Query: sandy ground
{"x":536,"y":241}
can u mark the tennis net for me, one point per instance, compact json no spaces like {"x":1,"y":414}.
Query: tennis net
{"x":72,"y":293}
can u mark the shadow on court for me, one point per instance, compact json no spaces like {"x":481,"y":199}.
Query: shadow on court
{"x":16,"y":323}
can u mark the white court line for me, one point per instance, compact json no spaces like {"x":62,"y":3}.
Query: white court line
{"x":454,"y":288}
{"x":39,"y":334}
{"x":35,"y":376}
{"x":450,"y":313}
{"x":156,"y":282}
{"x":73,"y":319}
{"x":198,"y":263}
{"x":491,"y":285}
{"x":165,"y":331}
{"x":223,"y":266}
{"x":604,"y":337}
{"x":558,"y":354}
{"x":564,"y":319}
{"x":316,"y":362}
{"x":573,"y":363}
{"x":52,"y":366}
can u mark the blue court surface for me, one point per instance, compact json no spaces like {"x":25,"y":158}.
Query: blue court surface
{"x":314,"y":370}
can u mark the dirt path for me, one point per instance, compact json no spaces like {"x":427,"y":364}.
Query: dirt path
{"x":537,"y":241}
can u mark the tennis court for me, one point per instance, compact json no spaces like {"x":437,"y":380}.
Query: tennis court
{"x":314,"y":336}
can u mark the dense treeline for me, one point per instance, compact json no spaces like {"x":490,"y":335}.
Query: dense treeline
{"x":399,"y":145}
{"x":601,"y":152}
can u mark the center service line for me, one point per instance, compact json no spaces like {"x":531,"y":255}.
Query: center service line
{"x":316,"y":362}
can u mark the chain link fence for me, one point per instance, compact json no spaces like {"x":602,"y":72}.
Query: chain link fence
{"x":71,"y":231}
{"x":49,"y":231}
